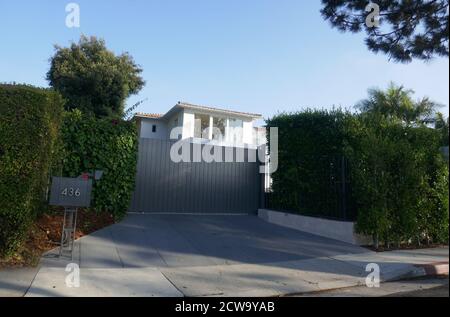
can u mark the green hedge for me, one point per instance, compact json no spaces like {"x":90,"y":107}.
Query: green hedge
{"x":110,"y":145}
{"x":310,"y":164}
{"x":401,"y":184}
{"x":29,"y":124}
{"x":389,"y":177}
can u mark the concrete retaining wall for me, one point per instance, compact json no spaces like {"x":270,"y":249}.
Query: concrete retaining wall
{"x":338,"y":230}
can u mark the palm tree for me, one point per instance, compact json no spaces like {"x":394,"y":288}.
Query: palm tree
{"x":397,"y":104}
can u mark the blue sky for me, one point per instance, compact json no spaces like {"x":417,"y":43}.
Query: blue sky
{"x":263,"y":56}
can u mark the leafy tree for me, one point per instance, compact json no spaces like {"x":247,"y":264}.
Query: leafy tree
{"x":397,"y":104}
{"x":441,"y":125}
{"x":408,"y":28}
{"x":93,"y":79}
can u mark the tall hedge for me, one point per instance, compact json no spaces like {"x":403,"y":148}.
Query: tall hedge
{"x":401,"y":183}
{"x":110,"y":145}
{"x":310,"y":163}
{"x":389,"y":177}
{"x":29,"y":123}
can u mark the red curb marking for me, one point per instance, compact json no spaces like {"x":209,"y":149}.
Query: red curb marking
{"x":436,"y":268}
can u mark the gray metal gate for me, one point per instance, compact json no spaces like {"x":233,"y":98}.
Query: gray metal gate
{"x":163,"y":186}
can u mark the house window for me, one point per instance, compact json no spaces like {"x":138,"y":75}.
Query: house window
{"x":236,"y":128}
{"x":154,"y":128}
{"x":201,"y":126}
{"x":219,"y":125}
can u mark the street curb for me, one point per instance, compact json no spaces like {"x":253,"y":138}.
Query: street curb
{"x":415,"y":271}
{"x":433,"y":269}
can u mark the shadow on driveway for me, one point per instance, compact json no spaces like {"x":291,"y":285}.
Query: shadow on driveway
{"x":189,"y":240}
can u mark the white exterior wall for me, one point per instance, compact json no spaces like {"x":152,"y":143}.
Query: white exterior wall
{"x":189,"y":127}
{"x":147,"y":126}
{"x":247,"y":133}
{"x":259,"y":137}
{"x":186,"y":120}
{"x":338,"y":230}
{"x":173,"y":123}
{"x":188,"y":124}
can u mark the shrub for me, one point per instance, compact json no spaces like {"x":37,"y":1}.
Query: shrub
{"x":29,"y":124}
{"x":400,"y":185}
{"x":110,"y":145}
{"x":388,"y":176}
{"x":433,"y":204}
{"x":310,"y":163}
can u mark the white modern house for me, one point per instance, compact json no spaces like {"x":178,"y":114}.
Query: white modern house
{"x":202,"y":124}
{"x":170,"y":181}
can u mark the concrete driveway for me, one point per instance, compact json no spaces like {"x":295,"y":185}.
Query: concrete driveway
{"x":190,"y":240}
{"x":193,"y":255}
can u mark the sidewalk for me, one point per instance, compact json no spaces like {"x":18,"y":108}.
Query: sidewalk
{"x":16,"y":282}
{"x":304,"y":276}
{"x":270,"y":279}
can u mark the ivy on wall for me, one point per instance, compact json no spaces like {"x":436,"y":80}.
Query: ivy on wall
{"x":110,"y":145}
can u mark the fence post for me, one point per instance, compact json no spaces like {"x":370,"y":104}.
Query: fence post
{"x":262,"y":177}
{"x":344,"y":189}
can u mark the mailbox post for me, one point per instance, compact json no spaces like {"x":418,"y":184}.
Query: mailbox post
{"x":70,"y":193}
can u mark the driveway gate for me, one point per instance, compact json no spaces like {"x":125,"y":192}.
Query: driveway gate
{"x":163,"y":186}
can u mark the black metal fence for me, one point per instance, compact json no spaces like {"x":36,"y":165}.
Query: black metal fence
{"x":318,"y":187}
